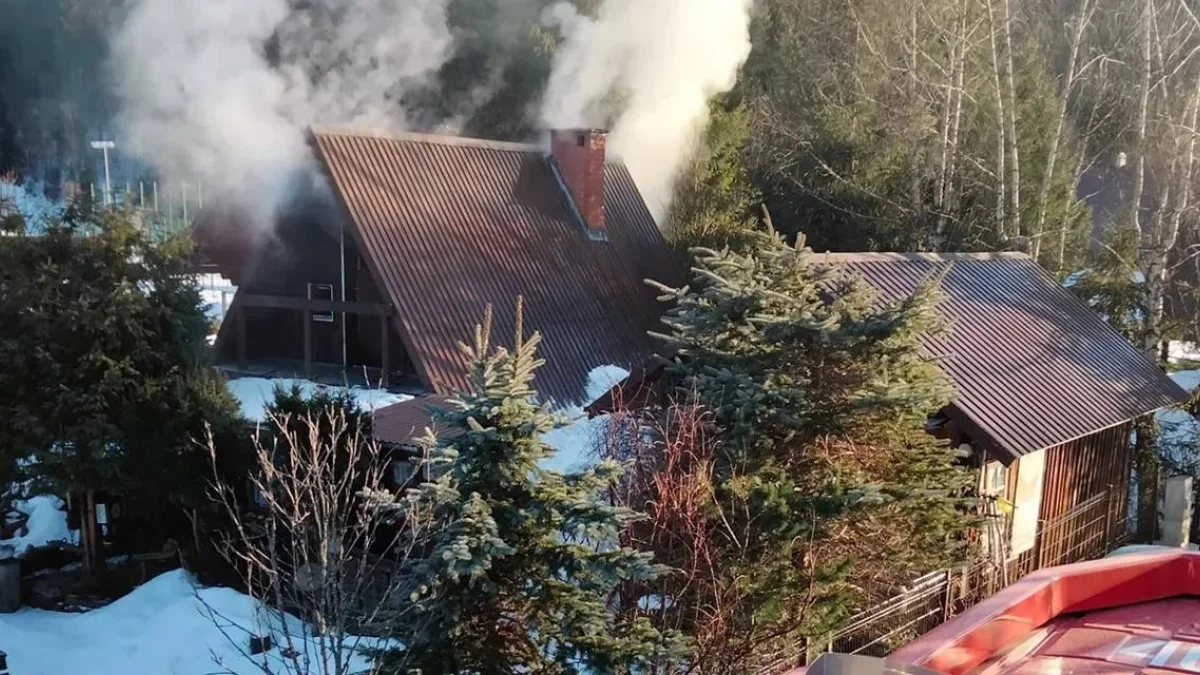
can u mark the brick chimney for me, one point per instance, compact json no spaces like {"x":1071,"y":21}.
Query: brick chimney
{"x":578,"y":156}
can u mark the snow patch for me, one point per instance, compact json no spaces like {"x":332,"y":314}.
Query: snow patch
{"x":164,"y":626}
{"x":654,"y":603}
{"x":576,"y":443}
{"x":217,"y":293}
{"x":255,"y":394}
{"x":1179,"y":431}
{"x":30,"y":201}
{"x":47,"y":524}
{"x":1073,"y":278}
{"x":1178,"y":350}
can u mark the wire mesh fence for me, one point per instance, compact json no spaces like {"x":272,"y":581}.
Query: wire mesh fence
{"x":166,"y":208}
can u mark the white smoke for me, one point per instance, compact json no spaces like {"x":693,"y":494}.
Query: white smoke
{"x":202,"y":99}
{"x":647,"y":69}
{"x":354,"y":61}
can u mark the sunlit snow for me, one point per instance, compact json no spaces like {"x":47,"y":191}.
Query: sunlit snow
{"x":165,"y":626}
{"x":576,"y":444}
{"x":255,"y":394}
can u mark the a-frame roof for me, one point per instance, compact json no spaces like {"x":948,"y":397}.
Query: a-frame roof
{"x":449,"y":226}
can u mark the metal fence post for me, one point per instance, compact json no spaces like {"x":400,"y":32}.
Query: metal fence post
{"x":1108,"y":521}
{"x":948,"y":602}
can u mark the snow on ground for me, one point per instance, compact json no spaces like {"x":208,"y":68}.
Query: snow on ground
{"x":216,"y":292}
{"x":255,"y":394}
{"x":1180,"y":430}
{"x":576,"y":442}
{"x":1136,"y":276}
{"x":165,"y":627}
{"x":1178,"y":426}
{"x":31,"y":202}
{"x":47,"y":523}
{"x":1178,"y":351}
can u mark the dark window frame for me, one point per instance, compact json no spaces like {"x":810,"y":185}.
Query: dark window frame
{"x":321,"y":317}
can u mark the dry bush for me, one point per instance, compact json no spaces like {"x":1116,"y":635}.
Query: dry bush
{"x":306,"y":542}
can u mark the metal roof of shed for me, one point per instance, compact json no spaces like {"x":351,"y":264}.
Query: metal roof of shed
{"x":1032,"y":364}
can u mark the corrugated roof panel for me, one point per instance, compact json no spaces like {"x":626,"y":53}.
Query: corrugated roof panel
{"x":452,"y":225}
{"x":1033,"y":366}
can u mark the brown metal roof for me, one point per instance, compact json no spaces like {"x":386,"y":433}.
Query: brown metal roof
{"x":402,"y":423}
{"x":450,"y":225}
{"x":1033,"y":366}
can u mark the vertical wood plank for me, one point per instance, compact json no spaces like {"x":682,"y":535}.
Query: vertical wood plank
{"x":240,"y":322}
{"x":386,"y":357}
{"x":308,"y":343}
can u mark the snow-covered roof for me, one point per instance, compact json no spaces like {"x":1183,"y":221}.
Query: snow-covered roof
{"x":255,"y":394}
{"x":574,"y":443}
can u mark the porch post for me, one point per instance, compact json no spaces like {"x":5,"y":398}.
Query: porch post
{"x":240,"y":321}
{"x":385,"y":360}
{"x":308,"y":343}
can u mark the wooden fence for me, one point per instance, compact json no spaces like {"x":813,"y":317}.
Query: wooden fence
{"x":1090,"y":530}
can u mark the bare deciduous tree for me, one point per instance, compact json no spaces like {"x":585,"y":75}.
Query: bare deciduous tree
{"x":330,"y":575}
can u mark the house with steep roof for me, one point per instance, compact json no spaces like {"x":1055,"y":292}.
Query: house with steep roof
{"x":424,"y":234}
{"x":1046,"y":393}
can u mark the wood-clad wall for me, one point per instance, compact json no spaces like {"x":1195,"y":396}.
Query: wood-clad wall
{"x":1081,"y":469}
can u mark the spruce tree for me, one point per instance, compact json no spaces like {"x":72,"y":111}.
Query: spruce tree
{"x":522,"y":576}
{"x":824,"y":477}
{"x":105,"y":380}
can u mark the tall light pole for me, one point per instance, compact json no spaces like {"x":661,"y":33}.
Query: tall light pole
{"x":105,"y":146}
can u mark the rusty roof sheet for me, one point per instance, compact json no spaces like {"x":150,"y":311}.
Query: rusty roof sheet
{"x":405,"y":422}
{"x":450,"y":225}
{"x":1033,"y":365}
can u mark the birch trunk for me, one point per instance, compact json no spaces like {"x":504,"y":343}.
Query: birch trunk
{"x":1064,"y":98}
{"x":1143,"y":111}
{"x":1013,"y":149}
{"x":914,"y":165}
{"x":1062,"y":235}
{"x":1001,"y":136}
{"x":1167,"y":228}
{"x":957,"y":74}
{"x":939,"y":198}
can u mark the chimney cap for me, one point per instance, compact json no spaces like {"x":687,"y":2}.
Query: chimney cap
{"x":587,"y":132}
{"x":579,"y":130}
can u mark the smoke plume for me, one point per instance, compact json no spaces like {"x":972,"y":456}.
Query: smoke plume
{"x":646,"y":69}
{"x":222,"y":90}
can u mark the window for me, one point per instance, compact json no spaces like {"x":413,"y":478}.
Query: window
{"x":403,"y":471}
{"x":259,"y":499}
{"x":995,"y":479}
{"x":410,"y":471}
{"x":321,"y":292}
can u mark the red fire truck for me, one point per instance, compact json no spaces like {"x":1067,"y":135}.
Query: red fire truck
{"x":1131,"y":614}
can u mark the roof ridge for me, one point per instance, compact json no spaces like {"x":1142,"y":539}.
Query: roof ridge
{"x":437,"y":139}
{"x":868,"y":256}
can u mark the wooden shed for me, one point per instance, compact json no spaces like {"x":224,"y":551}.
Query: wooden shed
{"x":1046,"y":393}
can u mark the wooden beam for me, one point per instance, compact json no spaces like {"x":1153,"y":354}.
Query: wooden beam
{"x":239,"y":319}
{"x":385,"y":359}
{"x":308,"y":360}
{"x":312,"y":305}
